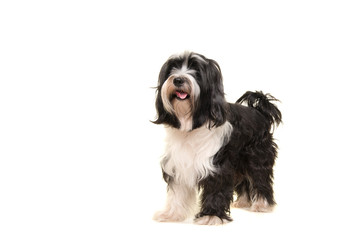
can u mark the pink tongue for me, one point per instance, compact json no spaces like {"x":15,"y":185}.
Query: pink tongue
{"x":181,"y":95}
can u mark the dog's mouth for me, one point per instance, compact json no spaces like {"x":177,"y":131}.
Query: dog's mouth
{"x":181,"y":95}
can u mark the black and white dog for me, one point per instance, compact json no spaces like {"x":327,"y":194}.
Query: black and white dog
{"x":213,"y":147}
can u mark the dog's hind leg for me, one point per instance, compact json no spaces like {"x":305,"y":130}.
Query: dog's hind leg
{"x":243,"y":195}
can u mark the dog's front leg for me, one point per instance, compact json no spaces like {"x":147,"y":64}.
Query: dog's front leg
{"x":217,"y":194}
{"x":180,"y":203}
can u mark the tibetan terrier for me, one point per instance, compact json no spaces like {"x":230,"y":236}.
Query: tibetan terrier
{"x":213,"y":147}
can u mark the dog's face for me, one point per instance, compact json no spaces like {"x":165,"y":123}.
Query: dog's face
{"x":190,"y":93}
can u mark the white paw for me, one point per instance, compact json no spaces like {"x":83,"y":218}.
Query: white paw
{"x":210,"y":220}
{"x":167,"y":216}
{"x":241,"y":202}
{"x":261,"y":205}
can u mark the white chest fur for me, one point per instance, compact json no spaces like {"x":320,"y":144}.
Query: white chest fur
{"x":189,"y":155}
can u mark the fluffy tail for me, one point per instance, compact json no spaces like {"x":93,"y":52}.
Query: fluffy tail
{"x":262,"y":102}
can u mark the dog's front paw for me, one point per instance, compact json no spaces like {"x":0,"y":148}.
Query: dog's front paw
{"x":210,"y":220}
{"x":168,"y":216}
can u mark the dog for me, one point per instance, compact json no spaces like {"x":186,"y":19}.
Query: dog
{"x":213,"y":148}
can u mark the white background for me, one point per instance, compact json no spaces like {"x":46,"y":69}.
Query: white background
{"x":79,"y":158}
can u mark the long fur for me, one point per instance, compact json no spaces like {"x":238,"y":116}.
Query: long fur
{"x":213,"y":148}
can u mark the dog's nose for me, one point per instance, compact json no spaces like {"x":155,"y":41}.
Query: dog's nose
{"x":178,"y":82}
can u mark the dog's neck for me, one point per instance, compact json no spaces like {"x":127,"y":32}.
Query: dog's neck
{"x":183,"y":111}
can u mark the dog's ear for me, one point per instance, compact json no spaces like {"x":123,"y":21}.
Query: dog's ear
{"x":218,"y":103}
{"x":163,"y":117}
{"x":211,"y":106}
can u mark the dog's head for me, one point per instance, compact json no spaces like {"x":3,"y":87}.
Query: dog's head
{"x":190,"y":93}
